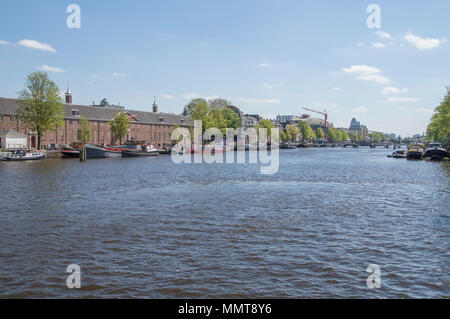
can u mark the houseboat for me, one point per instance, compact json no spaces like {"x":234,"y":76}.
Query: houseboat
{"x":436,"y":152}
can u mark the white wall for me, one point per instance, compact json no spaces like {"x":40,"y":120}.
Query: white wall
{"x":17,"y":142}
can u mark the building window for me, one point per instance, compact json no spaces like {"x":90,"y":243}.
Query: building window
{"x":1,"y":118}
{"x":70,"y":121}
{"x":11,"y":119}
{"x":75,"y":113}
{"x":161,"y":119}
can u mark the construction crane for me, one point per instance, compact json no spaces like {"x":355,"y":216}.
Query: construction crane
{"x":323,"y":113}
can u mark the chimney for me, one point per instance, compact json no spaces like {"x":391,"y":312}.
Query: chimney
{"x":185,"y":111}
{"x":155,"y":106}
{"x":68,"y":95}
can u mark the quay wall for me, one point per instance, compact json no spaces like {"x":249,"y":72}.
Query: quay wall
{"x":149,"y":127}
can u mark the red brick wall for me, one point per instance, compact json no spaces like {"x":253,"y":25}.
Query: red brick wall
{"x":158,"y":135}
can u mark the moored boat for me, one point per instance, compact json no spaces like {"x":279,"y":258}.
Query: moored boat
{"x":93,"y":151}
{"x":288,"y":146}
{"x":148,"y":151}
{"x":398,"y":154}
{"x":414,"y":153}
{"x":436,"y":151}
{"x":23,"y":155}
{"x":71,"y":151}
{"x":67,"y":153}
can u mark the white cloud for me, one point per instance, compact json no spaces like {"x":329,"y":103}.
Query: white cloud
{"x":47,"y":68}
{"x":336,"y":89}
{"x":423,"y":43}
{"x":395,"y":99}
{"x":4,"y":42}
{"x":167,"y":96}
{"x":271,"y":86}
{"x":265,"y":65}
{"x":360,"y":44}
{"x":378,"y":45}
{"x":32,"y":44}
{"x":94,"y":76}
{"x":361,"y":69}
{"x":119,"y":75}
{"x":381,"y":79}
{"x":418,"y":110}
{"x":367,"y":73}
{"x":190,"y":96}
{"x":258,"y":101}
{"x":360,"y":109}
{"x":393,"y":90}
{"x":383,"y":35}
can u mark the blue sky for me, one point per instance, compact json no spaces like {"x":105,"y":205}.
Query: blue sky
{"x":267,"y":57}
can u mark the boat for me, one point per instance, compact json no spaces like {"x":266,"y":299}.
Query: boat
{"x":71,"y":151}
{"x":138,"y":152}
{"x":398,"y":154}
{"x":414,"y":153}
{"x":436,"y":151}
{"x":93,"y":151}
{"x":288,"y":146}
{"x":23,"y":155}
{"x":165,"y":151}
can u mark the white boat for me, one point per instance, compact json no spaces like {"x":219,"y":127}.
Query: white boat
{"x":23,"y":155}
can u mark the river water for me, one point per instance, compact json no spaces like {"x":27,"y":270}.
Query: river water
{"x":149,"y":228}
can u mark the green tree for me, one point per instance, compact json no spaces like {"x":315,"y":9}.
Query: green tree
{"x":283,"y":136}
{"x":198,"y":109}
{"x":85,"y":131}
{"x":342,"y":136}
{"x":439,"y":128}
{"x":41,"y":108}
{"x":305,"y":130}
{"x":292,"y":131}
{"x":319,"y":133}
{"x":215,"y":119}
{"x":193,"y":104}
{"x":219,"y":103}
{"x":120,"y":125}
{"x":232,"y":119}
{"x":332,"y":134}
{"x":265,"y":124}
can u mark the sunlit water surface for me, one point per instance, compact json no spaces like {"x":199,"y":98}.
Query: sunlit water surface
{"x":149,"y":228}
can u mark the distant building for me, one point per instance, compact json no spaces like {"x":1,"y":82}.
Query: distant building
{"x":247,"y":120}
{"x":356,"y":127}
{"x":315,"y":123}
{"x":149,"y":127}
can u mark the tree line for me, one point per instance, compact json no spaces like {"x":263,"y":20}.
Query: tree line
{"x":439,"y":128}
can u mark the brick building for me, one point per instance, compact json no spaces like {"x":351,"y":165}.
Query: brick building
{"x":150,"y":127}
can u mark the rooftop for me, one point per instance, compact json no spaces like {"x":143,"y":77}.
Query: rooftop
{"x":96,"y":113}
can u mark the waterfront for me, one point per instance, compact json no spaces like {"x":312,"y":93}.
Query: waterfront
{"x":146,"y":227}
